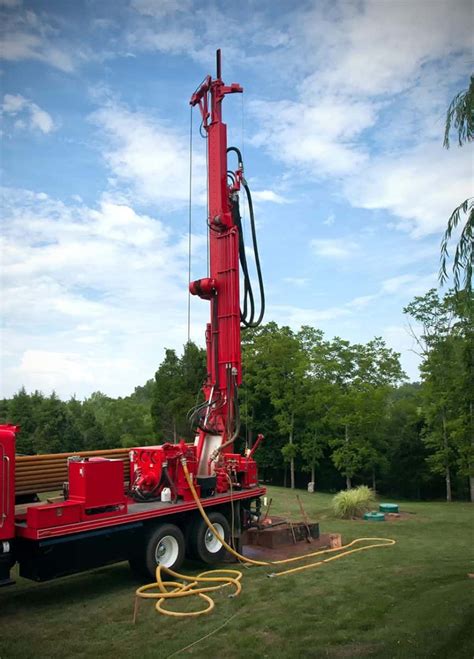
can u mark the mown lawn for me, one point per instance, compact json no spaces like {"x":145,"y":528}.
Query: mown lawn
{"x":411,"y":600}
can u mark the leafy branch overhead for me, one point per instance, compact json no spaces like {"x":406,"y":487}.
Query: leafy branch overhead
{"x":460,"y":117}
{"x":464,"y":254}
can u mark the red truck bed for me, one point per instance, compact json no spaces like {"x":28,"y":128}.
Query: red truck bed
{"x":136,"y":512}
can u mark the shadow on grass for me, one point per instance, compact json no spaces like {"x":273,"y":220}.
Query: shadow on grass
{"x":90,"y":585}
{"x":66,"y":590}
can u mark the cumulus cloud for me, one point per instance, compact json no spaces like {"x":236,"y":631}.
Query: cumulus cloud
{"x":29,"y":114}
{"x":377,"y":48}
{"x":374,"y":82}
{"x":318,"y":137}
{"x":90,"y":295}
{"x":420,"y":187}
{"x":150,"y":157}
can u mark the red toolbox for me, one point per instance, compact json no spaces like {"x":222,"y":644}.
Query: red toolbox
{"x":53,"y":514}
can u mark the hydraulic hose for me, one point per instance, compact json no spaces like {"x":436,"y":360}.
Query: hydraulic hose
{"x":252,"y":322}
{"x":189,"y":589}
{"x":247,"y":313}
{"x":238,"y":154}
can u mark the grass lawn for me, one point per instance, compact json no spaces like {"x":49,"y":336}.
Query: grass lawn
{"x":410,"y":600}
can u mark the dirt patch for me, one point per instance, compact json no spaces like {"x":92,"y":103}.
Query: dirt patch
{"x":394,"y":517}
{"x":281,"y":531}
{"x":301,"y":548}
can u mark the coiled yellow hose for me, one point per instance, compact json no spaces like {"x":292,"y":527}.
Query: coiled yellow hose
{"x":223,"y":578}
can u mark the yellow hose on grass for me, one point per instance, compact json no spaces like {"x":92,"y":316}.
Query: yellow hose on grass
{"x":160,"y":590}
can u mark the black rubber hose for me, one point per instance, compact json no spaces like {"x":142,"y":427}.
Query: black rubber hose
{"x":247,"y":313}
{"x":257,"y":258}
{"x":239,"y":155}
{"x":146,"y":496}
{"x":248,"y":302}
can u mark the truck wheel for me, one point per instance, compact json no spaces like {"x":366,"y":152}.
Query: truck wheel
{"x":202,"y":542}
{"x":165,"y":545}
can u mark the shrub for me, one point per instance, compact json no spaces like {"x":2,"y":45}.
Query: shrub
{"x":353,"y":503}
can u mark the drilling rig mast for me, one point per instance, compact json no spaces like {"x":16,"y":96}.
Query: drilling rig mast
{"x":218,"y":419}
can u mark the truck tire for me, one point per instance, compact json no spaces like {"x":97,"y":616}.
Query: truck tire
{"x":202,"y":543}
{"x":164,"y":544}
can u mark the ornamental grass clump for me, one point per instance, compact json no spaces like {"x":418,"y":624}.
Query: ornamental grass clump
{"x":353,"y":503}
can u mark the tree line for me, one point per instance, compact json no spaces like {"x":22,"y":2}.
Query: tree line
{"x":343,"y":413}
{"x":333,"y":412}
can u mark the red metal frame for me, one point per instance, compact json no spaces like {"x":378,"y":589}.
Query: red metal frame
{"x":221,"y":288}
{"x":7,"y":481}
{"x":136,"y":512}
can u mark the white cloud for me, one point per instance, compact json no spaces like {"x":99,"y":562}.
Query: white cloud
{"x":165,"y":41}
{"x":334,"y":248}
{"x":52,"y":367}
{"x":329,"y":221}
{"x":150,"y":157}
{"x":421,"y":187}
{"x":71,"y":372}
{"x":91,"y":296}
{"x":318,"y":137}
{"x":41,"y":119}
{"x":268,"y":195}
{"x":34,"y":117}
{"x":26,"y":36}
{"x":373,"y":118}
{"x":13,"y":103}
{"x":379,"y":47}
{"x":408,"y":285}
{"x":195,"y":29}
{"x":376,"y":50}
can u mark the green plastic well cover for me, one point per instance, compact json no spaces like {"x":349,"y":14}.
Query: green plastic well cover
{"x":375,"y":517}
{"x":388,"y":507}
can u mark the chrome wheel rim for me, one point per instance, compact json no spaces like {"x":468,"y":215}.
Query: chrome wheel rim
{"x":167,"y":551}
{"x":213,"y":545}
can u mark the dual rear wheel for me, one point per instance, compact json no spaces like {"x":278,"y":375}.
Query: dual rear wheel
{"x":202,"y":544}
{"x":166,"y":544}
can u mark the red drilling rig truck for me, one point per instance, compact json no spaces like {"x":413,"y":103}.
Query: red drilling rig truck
{"x":141,"y":508}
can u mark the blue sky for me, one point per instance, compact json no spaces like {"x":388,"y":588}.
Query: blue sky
{"x":341,"y":125}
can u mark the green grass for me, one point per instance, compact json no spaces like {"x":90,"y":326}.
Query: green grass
{"x":410,"y":600}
